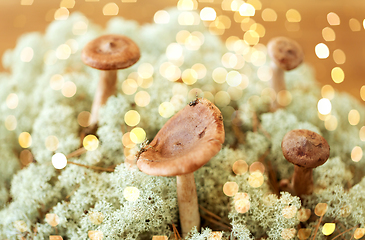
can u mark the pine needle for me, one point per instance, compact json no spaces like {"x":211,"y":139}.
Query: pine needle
{"x":344,"y":232}
{"x":352,"y":237}
{"x":319,"y":223}
{"x":212,"y":214}
{"x":81,"y":151}
{"x":255,"y":122}
{"x":271,"y":172}
{"x":92,"y":167}
{"x":73,"y":191}
{"x":267,"y":135}
{"x":216,"y":222}
{"x":176,"y":232}
{"x":240,"y":136}
{"x":76,"y":153}
{"x":341,"y":225}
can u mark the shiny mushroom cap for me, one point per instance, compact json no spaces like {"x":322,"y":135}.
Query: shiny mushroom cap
{"x":110,"y":52}
{"x":305,"y":148}
{"x":285,"y":52}
{"x":186,"y":142}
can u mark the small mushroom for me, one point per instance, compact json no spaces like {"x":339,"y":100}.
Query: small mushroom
{"x":184,"y":144}
{"x":306,"y":150}
{"x":286,"y":54}
{"x":108,"y":53}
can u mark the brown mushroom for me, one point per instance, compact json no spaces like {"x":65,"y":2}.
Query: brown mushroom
{"x":184,"y":144}
{"x":108,"y":53}
{"x":286,"y":54}
{"x":306,"y":150}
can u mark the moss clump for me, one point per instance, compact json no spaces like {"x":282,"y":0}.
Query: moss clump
{"x":132,"y":205}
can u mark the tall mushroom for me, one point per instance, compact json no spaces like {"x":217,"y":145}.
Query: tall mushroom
{"x":286,"y":54}
{"x":306,"y":150}
{"x":108,"y":53}
{"x":184,"y":144}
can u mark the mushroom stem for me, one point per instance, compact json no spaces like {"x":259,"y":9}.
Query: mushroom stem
{"x":105,"y":89}
{"x":277,"y":83}
{"x":302,"y":181}
{"x":286,"y":54}
{"x":188,"y":203}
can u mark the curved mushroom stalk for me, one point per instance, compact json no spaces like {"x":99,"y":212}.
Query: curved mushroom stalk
{"x":185,"y":143}
{"x":106,"y":88}
{"x":277,"y":80}
{"x":108,"y":53}
{"x":286,"y":54}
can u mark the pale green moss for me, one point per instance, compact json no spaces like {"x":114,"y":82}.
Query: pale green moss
{"x":194,"y":234}
{"x":211,"y":177}
{"x":74,"y":192}
{"x":59,"y":121}
{"x":277,"y":124}
{"x":4,"y":194}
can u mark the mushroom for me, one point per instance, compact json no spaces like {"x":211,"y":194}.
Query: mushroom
{"x":286,"y":54}
{"x":306,"y":150}
{"x":108,"y":53}
{"x":185,"y":143}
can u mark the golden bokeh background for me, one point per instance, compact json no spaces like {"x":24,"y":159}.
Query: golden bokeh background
{"x":331,"y":32}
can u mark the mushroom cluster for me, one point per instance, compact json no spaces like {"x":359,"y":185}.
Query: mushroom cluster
{"x":99,"y":195}
{"x":196,"y":133}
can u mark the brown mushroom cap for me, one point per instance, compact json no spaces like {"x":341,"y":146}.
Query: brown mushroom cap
{"x":110,"y":52}
{"x":305,"y":148}
{"x":186,"y":142}
{"x":285,"y":52}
